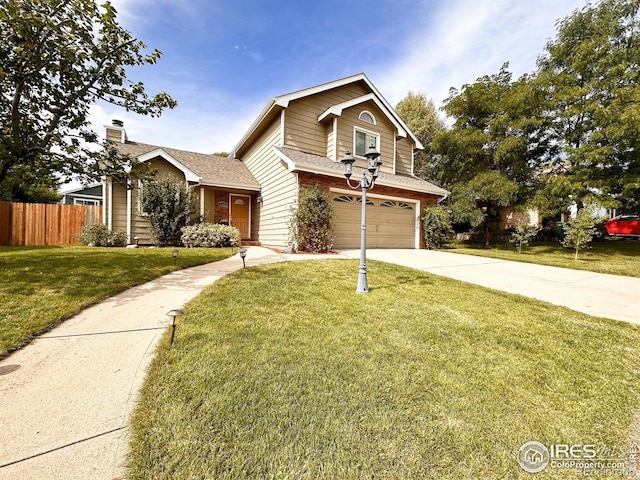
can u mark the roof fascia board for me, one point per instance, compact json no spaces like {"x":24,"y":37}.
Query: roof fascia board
{"x":256,"y":123}
{"x":238,"y":186}
{"x":337,"y":110}
{"x":190,"y":175}
{"x":293,"y":167}
{"x":418,"y":143}
{"x":283,"y":100}
{"x":78,"y":189}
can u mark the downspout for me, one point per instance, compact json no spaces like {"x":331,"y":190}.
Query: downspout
{"x":110,"y":217}
{"x":202,"y":203}
{"x":129,"y":213}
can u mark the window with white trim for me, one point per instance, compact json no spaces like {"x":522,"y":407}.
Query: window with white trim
{"x":86,"y":201}
{"x":367,"y":117}
{"x":363,"y":139}
{"x":141,"y":210}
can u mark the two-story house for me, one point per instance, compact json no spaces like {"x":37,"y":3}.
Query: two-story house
{"x":298,"y":140}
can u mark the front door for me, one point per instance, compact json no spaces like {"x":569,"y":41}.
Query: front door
{"x":239,"y":215}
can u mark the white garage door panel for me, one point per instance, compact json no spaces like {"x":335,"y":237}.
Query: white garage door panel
{"x":390,"y":223}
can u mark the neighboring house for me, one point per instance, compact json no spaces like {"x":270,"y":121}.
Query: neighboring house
{"x":511,"y":218}
{"x":297,"y":141}
{"x":89,"y":195}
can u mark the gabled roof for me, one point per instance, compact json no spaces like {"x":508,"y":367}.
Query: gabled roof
{"x":336,"y":110}
{"x":75,"y":189}
{"x":278,"y":103}
{"x":298,"y":161}
{"x":200,"y":168}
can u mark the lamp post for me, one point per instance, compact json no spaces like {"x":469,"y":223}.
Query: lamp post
{"x":175,"y":318}
{"x":367,"y":182}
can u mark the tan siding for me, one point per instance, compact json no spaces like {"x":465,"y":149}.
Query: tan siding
{"x":330,"y":139}
{"x":165,"y":169}
{"x":383,"y":127}
{"x":114,"y":135}
{"x":107,"y":197}
{"x":139,"y":223}
{"x":404,"y":147}
{"x":302,"y":129}
{"x":278,"y":188}
{"x":119,"y":208}
{"x":209,"y":205}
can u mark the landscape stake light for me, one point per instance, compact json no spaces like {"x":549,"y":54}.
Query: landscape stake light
{"x":243,"y":254}
{"x":174,"y":254}
{"x":366,"y":183}
{"x":175,"y":318}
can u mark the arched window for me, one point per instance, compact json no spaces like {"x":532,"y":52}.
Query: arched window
{"x":367,"y":117}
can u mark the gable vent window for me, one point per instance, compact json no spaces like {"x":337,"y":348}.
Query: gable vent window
{"x":367,"y":117}
{"x":363,"y":140}
{"x":344,"y":199}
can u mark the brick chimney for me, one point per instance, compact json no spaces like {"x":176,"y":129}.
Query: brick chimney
{"x":116,"y":132}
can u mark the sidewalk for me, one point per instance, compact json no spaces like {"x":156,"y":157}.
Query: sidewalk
{"x":66,"y":398}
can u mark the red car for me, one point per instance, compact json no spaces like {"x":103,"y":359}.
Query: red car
{"x":624,"y":225}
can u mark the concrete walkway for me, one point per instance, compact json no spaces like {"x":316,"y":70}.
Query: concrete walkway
{"x":598,"y":294}
{"x":66,"y":398}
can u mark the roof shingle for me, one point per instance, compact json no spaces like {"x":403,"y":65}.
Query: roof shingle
{"x":303,"y":161}
{"x":212,"y":170}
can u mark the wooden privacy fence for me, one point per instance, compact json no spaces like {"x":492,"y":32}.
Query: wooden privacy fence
{"x":44,"y":224}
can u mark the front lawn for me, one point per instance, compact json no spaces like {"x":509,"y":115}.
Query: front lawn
{"x":613,"y":257}
{"x":282,"y":371}
{"x":41,"y":286}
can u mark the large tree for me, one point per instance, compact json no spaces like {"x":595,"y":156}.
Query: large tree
{"x":421,"y":116}
{"x":488,"y":157}
{"x":591,"y":76}
{"x":58,"y":57}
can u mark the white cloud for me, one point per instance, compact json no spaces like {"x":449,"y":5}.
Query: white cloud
{"x":452,"y":43}
{"x":466,"y":39}
{"x":197,"y":130}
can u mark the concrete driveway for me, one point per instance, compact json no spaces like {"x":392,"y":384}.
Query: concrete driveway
{"x":598,"y":294}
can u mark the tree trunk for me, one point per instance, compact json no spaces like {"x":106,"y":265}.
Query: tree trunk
{"x":487,"y":228}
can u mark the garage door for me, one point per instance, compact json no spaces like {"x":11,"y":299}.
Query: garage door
{"x":390,"y":223}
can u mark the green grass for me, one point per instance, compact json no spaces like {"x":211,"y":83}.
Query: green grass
{"x":41,"y":286}
{"x":613,"y":257}
{"x":283,"y":372}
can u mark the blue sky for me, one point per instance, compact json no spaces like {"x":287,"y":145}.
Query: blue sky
{"x":223,"y":60}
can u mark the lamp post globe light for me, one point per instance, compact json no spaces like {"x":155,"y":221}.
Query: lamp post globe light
{"x":367,"y":182}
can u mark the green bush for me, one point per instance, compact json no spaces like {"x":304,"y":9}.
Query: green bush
{"x":99,"y":235}
{"x":436,"y":226}
{"x":210,"y":235}
{"x":311,"y":222}
{"x":168,"y":204}
{"x":523,"y":234}
{"x":579,"y":231}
